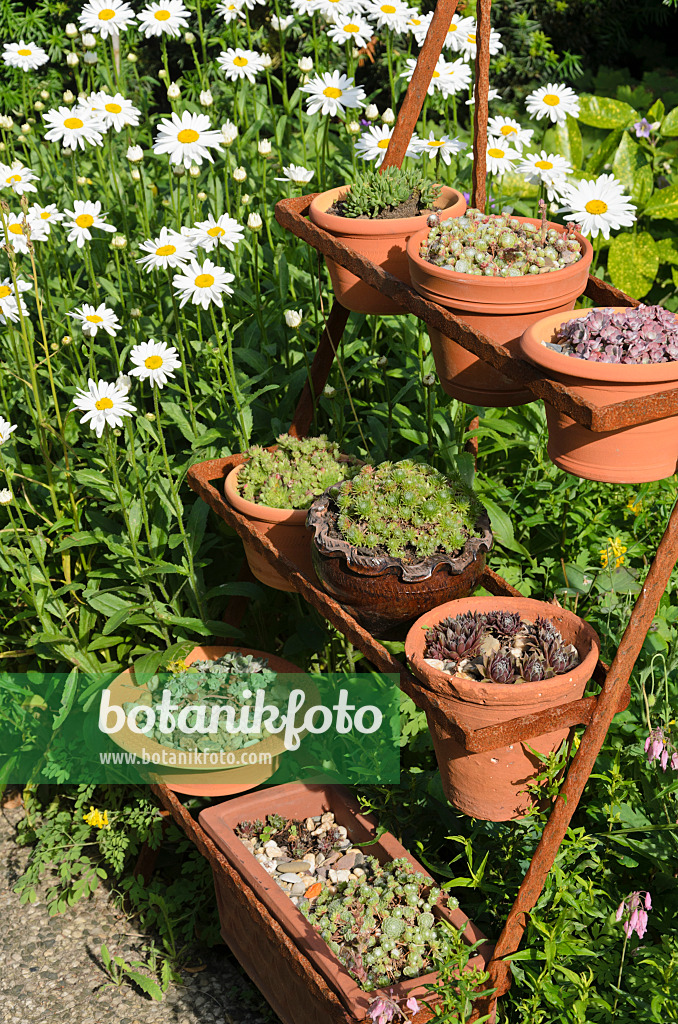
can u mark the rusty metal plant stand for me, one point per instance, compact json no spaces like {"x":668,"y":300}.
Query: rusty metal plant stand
{"x":595,"y":712}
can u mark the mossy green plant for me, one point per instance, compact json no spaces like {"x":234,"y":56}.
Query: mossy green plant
{"x":409,"y":509}
{"x":373,"y":193}
{"x":295,"y":474}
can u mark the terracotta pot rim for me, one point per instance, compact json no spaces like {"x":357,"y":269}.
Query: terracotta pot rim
{"x":367,"y":564}
{"x":353,"y":226}
{"x":526,"y":283}
{"x":532,"y":347}
{"x":266,"y":513}
{"x":473,"y":692}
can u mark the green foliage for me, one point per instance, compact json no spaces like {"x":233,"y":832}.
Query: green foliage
{"x":373,"y":192}
{"x":295,"y":474}
{"x":409,"y":509}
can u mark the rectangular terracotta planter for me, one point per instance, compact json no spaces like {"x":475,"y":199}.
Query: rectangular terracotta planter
{"x":299,"y":800}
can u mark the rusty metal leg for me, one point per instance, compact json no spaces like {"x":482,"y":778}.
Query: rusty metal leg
{"x":480,"y":111}
{"x":584,"y":760}
{"x":320,"y":369}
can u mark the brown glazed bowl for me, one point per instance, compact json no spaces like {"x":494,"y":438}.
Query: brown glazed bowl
{"x":383,"y":593}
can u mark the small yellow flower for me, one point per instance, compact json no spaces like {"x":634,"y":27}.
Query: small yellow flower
{"x":614,"y":549}
{"x":634,"y":506}
{"x":96,"y":818}
{"x":179,"y":665}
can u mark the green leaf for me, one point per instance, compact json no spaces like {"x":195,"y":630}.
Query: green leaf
{"x":669,"y":125}
{"x":146,"y":984}
{"x":67,"y":698}
{"x":627,"y":161}
{"x":656,"y":113}
{"x":502,"y":528}
{"x":667,"y":248}
{"x":195,"y":526}
{"x":117,"y":619}
{"x":565,"y":138}
{"x":643,"y":186}
{"x":633,"y":262}
{"x":664,"y":203}
{"x":602,"y":112}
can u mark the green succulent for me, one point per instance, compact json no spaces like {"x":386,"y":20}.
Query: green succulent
{"x":409,"y":509}
{"x":295,"y":474}
{"x":373,"y":192}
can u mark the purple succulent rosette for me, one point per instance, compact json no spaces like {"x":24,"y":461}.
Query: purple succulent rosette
{"x":646,"y":334}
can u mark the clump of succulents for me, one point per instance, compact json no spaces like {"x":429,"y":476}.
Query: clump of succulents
{"x":499,"y":245}
{"x":382,"y":927}
{"x":648,"y":334}
{"x":221,"y":682}
{"x":499,"y":647}
{"x":373,"y":192}
{"x":292,"y":833}
{"x":408,"y":509}
{"x":295,"y":474}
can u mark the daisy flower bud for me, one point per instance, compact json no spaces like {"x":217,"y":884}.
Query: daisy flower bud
{"x":25,"y":129}
{"x":124,"y":381}
{"x":178,"y":170}
{"x":254,"y":222}
{"x":371,"y":111}
{"x":71,"y":30}
{"x":264,"y":147}
{"x":72,"y":60}
{"x":6,"y":121}
{"x":266,"y":60}
{"x":173,"y":91}
{"x":305,"y":64}
{"x":90,"y":57}
{"x":88,"y":41}
{"x":246,"y":199}
{"x":5,"y":496}
{"x":353,"y":128}
{"x":118,"y":242}
{"x":135,"y":154}
{"x":44,"y":95}
{"x":162,"y":73}
{"x":68,"y":97}
{"x":189,"y":38}
{"x":202,"y":195}
{"x":66,"y":340}
{"x":293,"y":318}
{"x":81,"y":179}
{"x":194,"y":171}
{"x":132,"y":58}
{"x":239,"y":174}
{"x":388,"y":117}
{"x":206,"y":99}
{"x":135,"y":174}
{"x":39,"y":105}
{"x":135,"y":313}
{"x":229,"y":132}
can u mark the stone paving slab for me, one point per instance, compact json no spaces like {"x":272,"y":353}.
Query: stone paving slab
{"x":50,"y":970}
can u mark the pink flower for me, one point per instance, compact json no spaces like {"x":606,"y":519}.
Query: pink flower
{"x":376,"y":1009}
{"x":664,"y":760}
{"x":620,"y":910}
{"x":674,"y":761}
{"x":634,"y":916}
{"x":648,"y":901}
{"x":412,"y":1005}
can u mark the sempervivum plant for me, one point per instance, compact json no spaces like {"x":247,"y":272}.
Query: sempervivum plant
{"x":382,"y":928}
{"x":295,"y":474}
{"x":648,"y":334}
{"x":499,"y":647}
{"x":499,"y":245}
{"x":373,"y":192}
{"x":407,"y":509}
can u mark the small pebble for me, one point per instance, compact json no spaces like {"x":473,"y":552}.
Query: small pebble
{"x":327,"y":819}
{"x":310,"y":824}
{"x":343,"y":876}
{"x":295,"y":866}
{"x":289,"y":877}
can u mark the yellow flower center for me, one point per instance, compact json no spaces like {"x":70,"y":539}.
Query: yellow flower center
{"x":103,"y":403}
{"x":496,"y":153}
{"x":351,"y":28}
{"x":388,"y":8}
{"x":16,"y":229}
{"x":436,"y":74}
{"x":153,"y":362}
{"x":383,"y":143}
{"x":204,"y":281}
{"x":215,"y":231}
{"x":5,"y":290}
{"x":188,"y":135}
{"x":551,"y":100}
{"x":106,"y":14}
{"x":433,"y":142}
{"x":73,"y":122}
{"x":414,"y":21}
{"x":596,"y":207}
{"x":332,"y":92}
{"x":543,"y":165}
{"x":471,"y":37}
{"x":113,"y":108}
{"x":240,"y":62}
{"x":85,"y":220}
{"x":166,"y":250}
{"x":453,"y":27}
{"x":162,"y":15}
{"x":94,"y":318}
{"x":45,"y":215}
{"x":24,"y":52}
{"x":13,"y":177}
{"x":508,"y":129}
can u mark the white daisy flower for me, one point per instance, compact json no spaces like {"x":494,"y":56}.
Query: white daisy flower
{"x":281,"y":24}
{"x":393,"y":14}
{"x":373,"y":143}
{"x":154,"y":361}
{"x":297,"y":174}
{"x":25,"y":56}
{"x":500,"y":157}
{"x":331,"y":93}
{"x":510,"y":130}
{"x":457,"y":32}
{"x":115,"y":111}
{"x":469,"y":43}
{"x":17,"y":232}
{"x":203,"y":283}
{"x":9,"y":309}
{"x":598,"y":205}
{"x":169,"y":249}
{"x":554,"y":101}
{"x":6,"y":428}
{"x":230,"y":10}
{"x":351,"y":28}
{"x":93,"y":319}
{"x":448,"y":77}
{"x":547,"y":168}
{"x":187,"y":139}
{"x":102,"y":403}
{"x":164,"y":16}
{"x":222,"y":230}
{"x":107,"y":17}
{"x":238,"y":63}
{"x":444,"y":147}
{"x":332,"y":10}
{"x":418,"y":25}
{"x":303,"y":6}
{"x":73,"y":128}
{"x":86,"y":215}
{"x":18,"y":178}
{"x":45,"y":215}
{"x":5,"y":496}
{"x":251,"y":4}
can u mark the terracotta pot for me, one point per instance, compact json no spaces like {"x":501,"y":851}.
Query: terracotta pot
{"x":501,"y":308}
{"x":298,"y":800}
{"x":224,"y":781}
{"x":630,"y":455}
{"x":382,"y":241}
{"x":492,"y":785}
{"x":383,"y":593}
{"x":286,"y":528}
